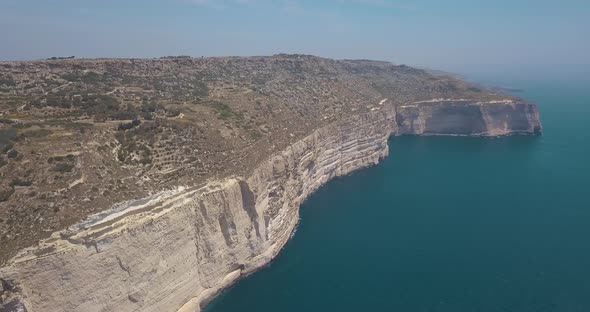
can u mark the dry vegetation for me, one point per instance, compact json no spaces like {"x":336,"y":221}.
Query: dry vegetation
{"x":77,"y":136}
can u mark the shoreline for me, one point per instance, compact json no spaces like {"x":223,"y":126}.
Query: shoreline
{"x":237,"y":226}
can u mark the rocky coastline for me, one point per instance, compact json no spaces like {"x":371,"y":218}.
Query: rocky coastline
{"x":177,"y":249}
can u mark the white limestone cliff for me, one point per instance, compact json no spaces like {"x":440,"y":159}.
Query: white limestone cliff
{"x":174,"y":251}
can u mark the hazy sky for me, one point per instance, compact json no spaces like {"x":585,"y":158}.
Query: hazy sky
{"x":445,"y":34}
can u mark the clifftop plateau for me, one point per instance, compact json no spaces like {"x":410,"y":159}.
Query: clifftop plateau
{"x":188,"y":172}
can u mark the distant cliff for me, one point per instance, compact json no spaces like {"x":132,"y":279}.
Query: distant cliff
{"x":466,"y":117}
{"x":177,"y":247}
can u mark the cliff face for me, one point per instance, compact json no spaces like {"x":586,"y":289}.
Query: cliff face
{"x":175,"y":250}
{"x":79,"y":136}
{"x":463,"y":117}
{"x":226,"y":175}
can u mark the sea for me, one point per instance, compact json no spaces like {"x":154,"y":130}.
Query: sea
{"x":448,"y":224}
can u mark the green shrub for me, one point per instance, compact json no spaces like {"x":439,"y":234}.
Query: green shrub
{"x":72,"y":77}
{"x":40,"y":133}
{"x":12,"y":154}
{"x":63,"y":167}
{"x":149,"y":106}
{"x":123,"y":115}
{"x":121,"y":155}
{"x":7,"y":135}
{"x":19,"y":182}
{"x":200,"y":89}
{"x":91,"y":78}
{"x":147,"y":116}
{"x":172,"y":112}
{"x":5,"y":192}
{"x":4,"y":148}
{"x":129,"y":125}
{"x":9,"y":82}
{"x":224,"y":111}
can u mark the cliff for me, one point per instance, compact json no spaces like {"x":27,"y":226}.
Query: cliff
{"x":151,"y":185}
{"x":175,"y":250}
{"x":465,"y":117}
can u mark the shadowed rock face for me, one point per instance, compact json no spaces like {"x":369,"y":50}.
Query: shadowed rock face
{"x":176,"y":249}
{"x":519,"y":118}
{"x":456,"y":119}
{"x":468,"y":118}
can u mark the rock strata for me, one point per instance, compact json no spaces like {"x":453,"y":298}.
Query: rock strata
{"x":465,"y":117}
{"x":175,"y":249}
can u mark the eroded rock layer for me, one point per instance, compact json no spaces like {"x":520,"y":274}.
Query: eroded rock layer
{"x":176,"y":249}
{"x":464,"y":117}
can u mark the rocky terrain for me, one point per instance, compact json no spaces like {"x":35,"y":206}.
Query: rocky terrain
{"x":134,"y":184}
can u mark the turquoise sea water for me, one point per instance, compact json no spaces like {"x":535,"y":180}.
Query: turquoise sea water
{"x":447,"y":224}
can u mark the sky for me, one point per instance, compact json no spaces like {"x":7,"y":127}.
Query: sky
{"x":454,"y":35}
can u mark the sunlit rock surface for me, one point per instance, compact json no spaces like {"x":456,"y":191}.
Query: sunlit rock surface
{"x":176,"y":249}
